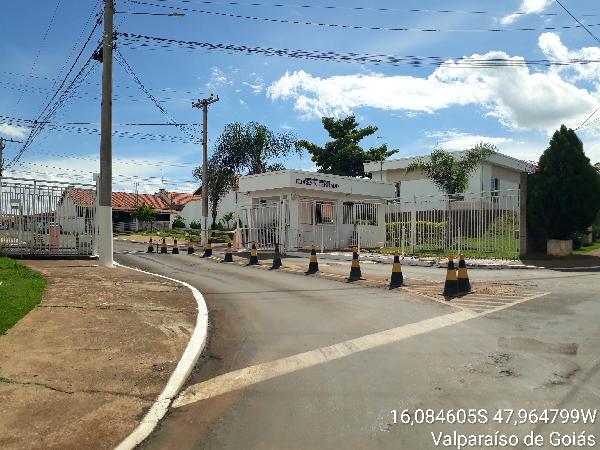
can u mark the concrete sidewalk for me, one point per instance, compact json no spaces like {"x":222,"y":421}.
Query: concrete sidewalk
{"x":82,"y":368}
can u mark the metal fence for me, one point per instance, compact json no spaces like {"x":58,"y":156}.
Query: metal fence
{"x":479,"y":224}
{"x":41,"y":218}
{"x":265,"y":225}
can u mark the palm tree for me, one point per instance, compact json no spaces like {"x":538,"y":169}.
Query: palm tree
{"x":228,"y":217}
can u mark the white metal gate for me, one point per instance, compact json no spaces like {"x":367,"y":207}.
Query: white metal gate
{"x":46,"y":218}
{"x":265,"y":225}
{"x":318,"y":224}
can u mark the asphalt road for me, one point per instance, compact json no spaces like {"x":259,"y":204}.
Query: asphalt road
{"x":543,"y":353}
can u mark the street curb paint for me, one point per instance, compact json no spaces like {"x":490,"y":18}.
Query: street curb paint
{"x":178,"y":377}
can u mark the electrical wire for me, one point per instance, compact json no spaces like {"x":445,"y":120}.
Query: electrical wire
{"x":44,"y":37}
{"x":351,"y":27}
{"x":585,"y":27}
{"x":145,"y":41}
{"x":123,"y":62}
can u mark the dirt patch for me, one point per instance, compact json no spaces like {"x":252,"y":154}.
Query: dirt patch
{"x":83,"y":367}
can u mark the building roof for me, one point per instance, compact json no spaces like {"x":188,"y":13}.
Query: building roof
{"x":121,"y":201}
{"x":180,"y":198}
{"x":497,"y":159}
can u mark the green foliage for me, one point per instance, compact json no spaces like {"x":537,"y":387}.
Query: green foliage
{"x":21,"y":290}
{"x":178,"y":222}
{"x":343,"y":155}
{"x":564,"y":195}
{"x":450,"y":174}
{"x":228,"y":217}
{"x":145,"y":214}
{"x":250,"y":149}
{"x":195,"y":225}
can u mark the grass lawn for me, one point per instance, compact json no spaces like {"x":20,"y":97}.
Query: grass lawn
{"x":587,"y":249}
{"x":21,"y":290}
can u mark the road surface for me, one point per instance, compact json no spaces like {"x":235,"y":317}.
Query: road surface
{"x":331,"y":361}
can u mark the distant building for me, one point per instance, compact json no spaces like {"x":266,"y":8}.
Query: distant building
{"x":497,"y":173}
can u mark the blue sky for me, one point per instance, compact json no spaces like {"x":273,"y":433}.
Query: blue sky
{"x":415,"y":107}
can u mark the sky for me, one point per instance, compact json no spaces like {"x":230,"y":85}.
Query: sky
{"x":416,"y":107}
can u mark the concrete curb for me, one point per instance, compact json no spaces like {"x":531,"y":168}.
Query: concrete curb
{"x":178,"y":377}
{"x":409,"y":261}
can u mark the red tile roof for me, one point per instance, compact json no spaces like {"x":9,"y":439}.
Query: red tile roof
{"x":82,"y":197}
{"x":121,"y":201}
{"x":181,"y":199}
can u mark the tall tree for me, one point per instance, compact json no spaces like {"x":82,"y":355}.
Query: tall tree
{"x":343,"y":155}
{"x":252,"y":148}
{"x":450,"y":172}
{"x":564,"y":193}
{"x":243,"y":149}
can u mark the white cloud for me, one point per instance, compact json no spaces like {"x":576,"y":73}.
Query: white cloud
{"x":456,"y":140}
{"x":12,"y":131}
{"x":517,"y":97}
{"x":257,"y":86}
{"x":80,"y":169}
{"x":553,"y":48}
{"x":527,"y":7}
{"x":218,"y":78}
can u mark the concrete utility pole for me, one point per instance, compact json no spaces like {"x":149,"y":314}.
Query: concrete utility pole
{"x":2,"y":146}
{"x":204,"y":105}
{"x":105,"y":193}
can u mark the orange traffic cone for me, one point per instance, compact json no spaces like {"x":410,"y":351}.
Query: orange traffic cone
{"x":207,"y":249}
{"x":253,"y":256}
{"x":451,"y":285}
{"x":355,"y":273}
{"x":464,"y":285}
{"x":228,"y":256}
{"x":276,"y":258}
{"x":397,"y":279}
{"x":313,"y":265}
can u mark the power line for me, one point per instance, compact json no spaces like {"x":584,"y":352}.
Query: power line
{"x":357,"y":8}
{"x":123,"y":62}
{"x":579,"y":22}
{"x":21,"y":120}
{"x":144,"y":41}
{"x":44,"y":37}
{"x":63,"y":97}
{"x":350,"y":27}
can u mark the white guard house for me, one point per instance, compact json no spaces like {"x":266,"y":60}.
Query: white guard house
{"x":298,"y":209}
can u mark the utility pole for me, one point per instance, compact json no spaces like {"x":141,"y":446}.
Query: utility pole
{"x":105,"y":193}
{"x":2,"y":146}
{"x":204,"y":105}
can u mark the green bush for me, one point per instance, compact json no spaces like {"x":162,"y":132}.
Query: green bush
{"x":178,"y":222}
{"x":195,"y":225}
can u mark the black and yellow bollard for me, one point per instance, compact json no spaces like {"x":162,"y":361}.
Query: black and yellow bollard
{"x":397,"y":278}
{"x":464,"y":285}
{"x":451,"y":285}
{"x":175,"y":249}
{"x":190,"y":248}
{"x":253,"y":256}
{"x":207,"y":249}
{"x":150,"y":246}
{"x":163,"y":246}
{"x":355,"y":273}
{"x":228,"y":254}
{"x":276,"y":258}
{"x":313,"y":265}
